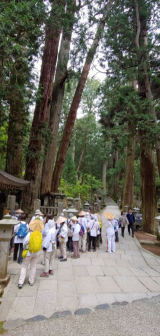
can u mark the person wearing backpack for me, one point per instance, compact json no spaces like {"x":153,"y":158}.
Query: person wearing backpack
{"x":98,"y":231}
{"x":32,"y":244}
{"x":116,"y":227}
{"x":83,"y":238}
{"x":70,"y":242}
{"x":20,"y":231}
{"x":75,"y":237}
{"x":93,"y":226}
{"x":37,"y":215}
{"x":49,"y":247}
{"x":63,"y":237}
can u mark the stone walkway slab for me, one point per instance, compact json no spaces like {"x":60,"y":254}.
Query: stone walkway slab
{"x":130,"y":284}
{"x":96,"y":278}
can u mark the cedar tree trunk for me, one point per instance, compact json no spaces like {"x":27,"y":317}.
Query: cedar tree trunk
{"x":129,"y":174}
{"x":57,"y":101}
{"x":35,"y":157}
{"x":14,"y":143}
{"x":61,"y":156}
{"x":147,"y":157}
{"x":104,"y":176}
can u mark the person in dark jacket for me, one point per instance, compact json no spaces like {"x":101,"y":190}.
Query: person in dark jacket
{"x":131,"y":220}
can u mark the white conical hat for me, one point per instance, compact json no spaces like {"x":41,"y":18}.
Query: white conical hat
{"x":82,"y":213}
{"x":36,"y":225}
{"x":61,"y":220}
{"x":74,"y":218}
{"x":19,"y":211}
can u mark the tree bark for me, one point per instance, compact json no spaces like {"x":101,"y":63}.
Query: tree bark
{"x":104,"y":176}
{"x":128,"y":190}
{"x":148,"y":189}
{"x":147,"y":156}
{"x":75,"y":103}
{"x":74,"y":144}
{"x":81,"y":157}
{"x":57,"y":100}
{"x":15,"y":138}
{"x":35,"y":157}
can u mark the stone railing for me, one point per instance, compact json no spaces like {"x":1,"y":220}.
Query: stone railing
{"x":49,"y":210}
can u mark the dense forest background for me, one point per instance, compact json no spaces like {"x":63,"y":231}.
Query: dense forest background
{"x":89,"y":123}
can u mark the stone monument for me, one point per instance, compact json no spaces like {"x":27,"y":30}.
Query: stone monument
{"x":11,"y":202}
{"x":6,"y":225}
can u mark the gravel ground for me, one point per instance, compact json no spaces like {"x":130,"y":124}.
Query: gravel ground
{"x":140,"y":318}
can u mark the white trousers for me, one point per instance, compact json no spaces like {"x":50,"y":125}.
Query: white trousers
{"x":32,"y":260}
{"x":49,"y":258}
{"x":82,"y":242}
{"x":63,"y":252}
{"x":111,"y":243}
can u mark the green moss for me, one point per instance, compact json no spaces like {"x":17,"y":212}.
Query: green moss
{"x":2,"y":331}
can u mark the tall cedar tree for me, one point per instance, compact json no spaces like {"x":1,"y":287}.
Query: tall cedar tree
{"x":20,"y":29}
{"x":39,"y":130}
{"x":57,"y":98}
{"x":76,"y":101}
{"x":147,"y":155}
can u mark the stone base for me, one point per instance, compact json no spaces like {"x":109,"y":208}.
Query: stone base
{"x":5,"y":281}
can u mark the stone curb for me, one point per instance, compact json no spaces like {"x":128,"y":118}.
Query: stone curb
{"x":13,"y":324}
{"x":142,"y":249}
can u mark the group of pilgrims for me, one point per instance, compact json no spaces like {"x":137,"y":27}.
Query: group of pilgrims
{"x":75,"y":235}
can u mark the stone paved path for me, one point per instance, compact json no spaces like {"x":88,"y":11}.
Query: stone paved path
{"x":96,"y":278}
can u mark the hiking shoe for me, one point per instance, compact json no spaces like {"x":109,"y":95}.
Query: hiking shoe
{"x":30,"y":283}
{"x":60,"y":257}
{"x":63,"y":259}
{"x":50,"y":272}
{"x":44,"y":275}
{"x":20,"y":286}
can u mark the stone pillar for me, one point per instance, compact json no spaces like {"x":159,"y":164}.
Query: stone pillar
{"x":96,"y":207}
{"x":11,"y":202}
{"x":69,"y":202}
{"x":126,"y":207}
{"x":60,"y":207}
{"x":37,"y":204}
{"x":6,"y":225}
{"x":64,"y":203}
{"x":77,"y":203}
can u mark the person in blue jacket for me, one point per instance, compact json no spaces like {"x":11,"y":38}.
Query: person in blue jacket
{"x":131,"y":220}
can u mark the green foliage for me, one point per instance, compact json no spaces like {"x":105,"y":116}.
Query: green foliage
{"x":85,"y":190}
{"x":3,"y":145}
{"x":69,"y":172}
{"x":20,"y":38}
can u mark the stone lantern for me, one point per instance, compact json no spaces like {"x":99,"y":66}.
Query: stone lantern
{"x":77,"y":203}
{"x":158,"y":226}
{"x":6,"y":225}
{"x":70,"y":210}
{"x":86,"y":206}
{"x":119,"y":202}
{"x":69,"y":201}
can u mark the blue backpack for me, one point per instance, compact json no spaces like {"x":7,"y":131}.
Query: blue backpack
{"x":22,"y":231}
{"x":81,"y":232}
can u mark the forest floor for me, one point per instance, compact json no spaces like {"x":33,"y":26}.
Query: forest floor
{"x":98,"y":294}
